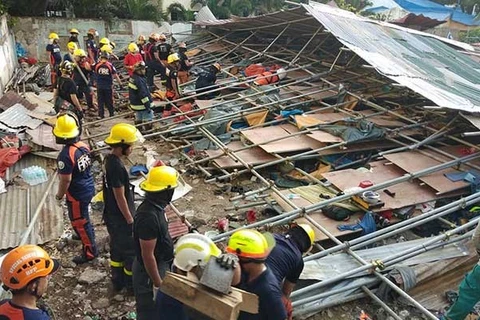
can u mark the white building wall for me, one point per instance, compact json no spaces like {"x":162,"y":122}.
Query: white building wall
{"x":8,"y":54}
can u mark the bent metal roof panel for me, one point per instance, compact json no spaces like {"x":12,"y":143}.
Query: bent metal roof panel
{"x":432,"y":66}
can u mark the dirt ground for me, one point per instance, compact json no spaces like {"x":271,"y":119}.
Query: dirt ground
{"x":84,"y":292}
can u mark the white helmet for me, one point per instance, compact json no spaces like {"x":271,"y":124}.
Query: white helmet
{"x":192,"y":250}
{"x":281,"y":73}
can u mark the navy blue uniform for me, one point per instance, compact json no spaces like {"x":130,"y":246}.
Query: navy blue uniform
{"x":153,"y":65}
{"x":83,"y":88}
{"x":67,"y":57}
{"x":92,"y":50}
{"x":74,"y":159}
{"x":285,"y":260}
{"x":9,"y":311}
{"x":55,"y":54}
{"x":138,"y":93}
{"x":104,"y":72}
{"x":266,"y":287}
{"x":206,"y":78}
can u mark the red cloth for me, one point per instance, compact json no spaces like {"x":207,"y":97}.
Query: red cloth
{"x":130,"y":60}
{"x":8,"y":157}
{"x":254,"y":69}
{"x":266,"y":77}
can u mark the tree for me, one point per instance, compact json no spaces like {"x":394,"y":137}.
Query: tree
{"x":177,"y":12}
{"x":143,"y":10}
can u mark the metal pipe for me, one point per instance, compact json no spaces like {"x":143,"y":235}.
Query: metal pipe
{"x":332,"y":303}
{"x":381,"y":303}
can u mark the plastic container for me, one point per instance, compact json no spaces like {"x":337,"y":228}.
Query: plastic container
{"x":34,"y":175}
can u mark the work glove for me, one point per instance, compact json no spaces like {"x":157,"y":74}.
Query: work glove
{"x":227,"y":261}
{"x":59,"y":201}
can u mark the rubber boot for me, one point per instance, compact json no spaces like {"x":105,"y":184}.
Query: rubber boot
{"x":118,"y":277}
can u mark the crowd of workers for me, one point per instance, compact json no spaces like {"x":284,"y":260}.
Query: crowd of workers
{"x":141,"y":249}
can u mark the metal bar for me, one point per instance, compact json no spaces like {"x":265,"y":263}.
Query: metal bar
{"x":381,"y":303}
{"x":294,"y":60}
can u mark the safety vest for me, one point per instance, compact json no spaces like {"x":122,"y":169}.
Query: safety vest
{"x":267,"y":78}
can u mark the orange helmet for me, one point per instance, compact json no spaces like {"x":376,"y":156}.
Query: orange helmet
{"x":24,"y":264}
{"x":162,"y":37}
{"x":154,"y":36}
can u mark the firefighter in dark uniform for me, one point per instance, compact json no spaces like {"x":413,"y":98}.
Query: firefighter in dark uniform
{"x":82,"y":77}
{"x":92,"y":49}
{"x":54,"y":56}
{"x":25,"y":273}
{"x":206,"y":82}
{"x":76,"y":182}
{"x":74,"y":36}
{"x":119,"y":206}
{"x":65,"y":93}
{"x":286,"y":259}
{"x":185,"y":63}
{"x":171,"y":84}
{"x":153,"y":245}
{"x":140,"y":97}
{"x":104,"y":74}
{"x":164,"y":50}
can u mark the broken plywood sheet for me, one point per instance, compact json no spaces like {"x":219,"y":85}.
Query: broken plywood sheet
{"x":414,"y":161}
{"x":362,"y":146}
{"x":291,"y":91}
{"x":406,"y":193}
{"x":324,"y":221}
{"x":325,"y":137}
{"x":214,"y":47}
{"x":288,"y":144}
{"x":251,"y":156}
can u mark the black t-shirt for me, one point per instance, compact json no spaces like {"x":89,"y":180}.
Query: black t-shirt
{"x":116,"y":176}
{"x":285,"y":260}
{"x":164,"y":50}
{"x":270,"y":305}
{"x":151,"y":223}
{"x":171,"y":75}
{"x":206,"y":78}
{"x":66,"y":87}
{"x":183,"y":60}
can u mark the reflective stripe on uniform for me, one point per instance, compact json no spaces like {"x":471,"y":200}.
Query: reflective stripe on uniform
{"x":116,"y":264}
{"x":133,"y":86}
{"x":144,"y":100}
{"x":127,"y":272}
{"x":137,"y":107}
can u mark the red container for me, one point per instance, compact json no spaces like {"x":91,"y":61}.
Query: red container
{"x":365,"y":184}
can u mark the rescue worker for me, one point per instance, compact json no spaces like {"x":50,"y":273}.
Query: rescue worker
{"x":164,"y":49}
{"x":65,"y":93}
{"x":92,"y":49}
{"x":140,"y":97}
{"x":153,"y":245}
{"x":71,"y":47}
{"x":119,"y":209}
{"x":76,"y":182}
{"x":252,"y":249}
{"x":141,"y":45}
{"x":25,"y":273}
{"x":206,"y":82}
{"x":74,"y":37}
{"x":131,"y":58}
{"x":269,"y":77}
{"x":185,"y":63}
{"x":469,"y":289}
{"x":173,"y":64}
{"x":104,"y":74}
{"x":54,"y":56}
{"x":103,"y":42}
{"x":286,"y":259}
{"x":82,"y":78}
{"x":152,"y":59}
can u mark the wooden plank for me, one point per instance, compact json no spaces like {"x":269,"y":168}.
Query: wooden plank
{"x":292,"y":144}
{"x":295,"y":90}
{"x":406,"y":193}
{"x":213,"y":47}
{"x":325,"y":137}
{"x":251,"y":156}
{"x":414,"y":161}
{"x":213,"y":304}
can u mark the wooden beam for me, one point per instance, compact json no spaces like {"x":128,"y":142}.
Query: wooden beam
{"x":213,"y":304}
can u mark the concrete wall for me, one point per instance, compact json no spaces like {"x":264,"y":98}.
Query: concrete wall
{"x":8,"y":54}
{"x":32,"y":32}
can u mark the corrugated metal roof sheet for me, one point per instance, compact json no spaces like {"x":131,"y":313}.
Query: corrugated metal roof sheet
{"x":205,"y":14}
{"x":13,"y":210}
{"x":413,"y":59}
{"x":17,"y":117}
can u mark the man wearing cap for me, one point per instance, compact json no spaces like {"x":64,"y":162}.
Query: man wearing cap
{"x":25,"y":273}
{"x":119,"y":209}
{"x":286,"y":258}
{"x":153,"y":245}
{"x":252,"y":249}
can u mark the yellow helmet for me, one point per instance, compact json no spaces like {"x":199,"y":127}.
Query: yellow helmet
{"x":72,"y":46}
{"x":132,"y":47}
{"x":192,"y":250}
{"x":122,"y":133}
{"x":66,"y":127}
{"x":73,"y":30}
{"x":173,"y":58}
{"x":80,"y":53}
{"x":250,"y":244}
{"x":104,"y":41}
{"x":53,"y":36}
{"x":159,"y":179}
{"x":309,"y":231}
{"x":106,"y":48}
